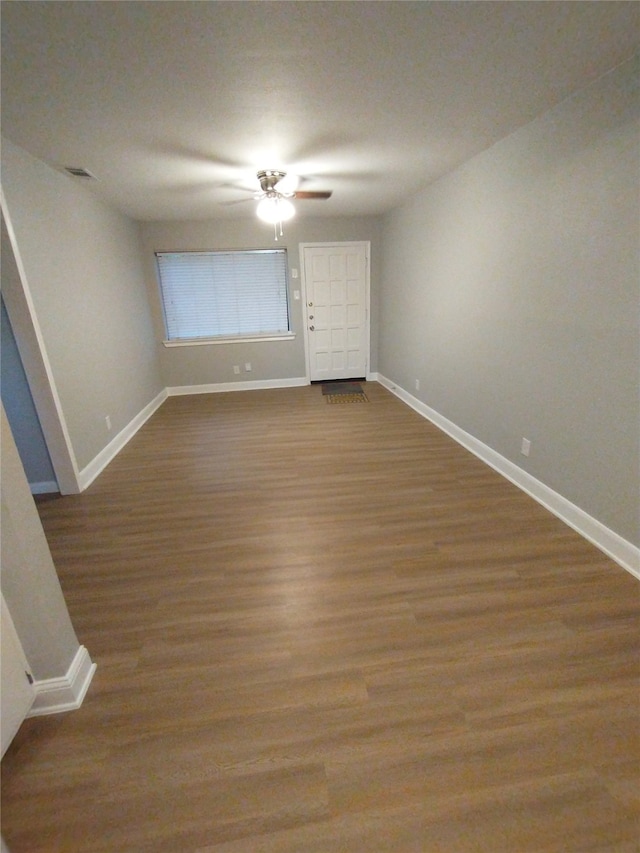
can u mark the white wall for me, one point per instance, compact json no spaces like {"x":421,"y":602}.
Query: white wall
{"x":510,"y":290}
{"x":202,"y":365}
{"x":83,"y":269}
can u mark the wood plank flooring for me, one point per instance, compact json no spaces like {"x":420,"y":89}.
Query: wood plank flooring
{"x":329,"y":628}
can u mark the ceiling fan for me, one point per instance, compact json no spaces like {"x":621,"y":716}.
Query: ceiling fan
{"x":276,"y":183}
{"x":276,"y":190}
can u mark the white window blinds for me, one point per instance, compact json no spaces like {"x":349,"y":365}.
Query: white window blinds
{"x":224,"y":294}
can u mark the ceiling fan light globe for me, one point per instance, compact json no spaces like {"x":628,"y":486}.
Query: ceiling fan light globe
{"x":273,"y":210}
{"x":286,"y":209}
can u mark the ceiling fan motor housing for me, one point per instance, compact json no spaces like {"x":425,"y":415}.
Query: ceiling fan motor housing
{"x":269,"y":178}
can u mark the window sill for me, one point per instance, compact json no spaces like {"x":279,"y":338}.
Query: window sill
{"x":236,"y":339}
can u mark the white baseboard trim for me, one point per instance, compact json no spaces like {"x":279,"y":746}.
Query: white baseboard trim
{"x":612,"y":544}
{"x":55,"y":695}
{"x":46,"y":487}
{"x":252,"y":385}
{"x":107,"y":454}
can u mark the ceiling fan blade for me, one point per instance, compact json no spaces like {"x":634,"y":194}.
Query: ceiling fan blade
{"x":236,"y":201}
{"x":314,"y":194}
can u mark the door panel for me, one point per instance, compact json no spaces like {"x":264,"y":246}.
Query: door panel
{"x":336,"y":311}
{"x":17,"y":692}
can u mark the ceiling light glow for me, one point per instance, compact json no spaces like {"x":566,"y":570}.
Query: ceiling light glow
{"x":274,"y":209}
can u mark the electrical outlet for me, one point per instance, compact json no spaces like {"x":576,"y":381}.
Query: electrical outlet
{"x":236,"y":369}
{"x":107,"y":421}
{"x":247,"y":366}
{"x":417,"y":384}
{"x":525,"y":447}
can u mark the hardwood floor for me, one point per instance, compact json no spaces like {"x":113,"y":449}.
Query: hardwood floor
{"x":329,"y":628}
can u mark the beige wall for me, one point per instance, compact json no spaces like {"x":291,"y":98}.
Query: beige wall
{"x":510,"y":290}
{"x":202,"y":365}
{"x":29,"y":581}
{"x":83,"y":269}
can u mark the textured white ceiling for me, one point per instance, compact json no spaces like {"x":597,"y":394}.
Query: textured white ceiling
{"x":174,"y":106}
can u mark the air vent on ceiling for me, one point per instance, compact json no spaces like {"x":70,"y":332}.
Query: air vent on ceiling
{"x":79,"y":172}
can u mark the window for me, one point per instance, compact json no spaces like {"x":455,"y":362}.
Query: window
{"x":224,"y":295}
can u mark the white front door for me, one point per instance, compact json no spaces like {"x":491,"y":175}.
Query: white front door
{"x":336,"y":280}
